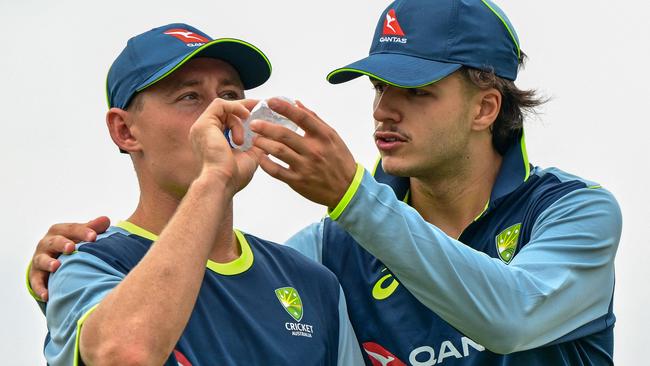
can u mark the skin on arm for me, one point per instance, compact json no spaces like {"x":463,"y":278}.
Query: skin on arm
{"x":141,"y":320}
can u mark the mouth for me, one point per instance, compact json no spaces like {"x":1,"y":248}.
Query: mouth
{"x":387,"y":141}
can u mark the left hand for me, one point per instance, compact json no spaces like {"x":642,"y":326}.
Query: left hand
{"x":321,"y":167}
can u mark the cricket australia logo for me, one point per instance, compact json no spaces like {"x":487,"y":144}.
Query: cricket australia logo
{"x":292,"y":303}
{"x":506,"y":242}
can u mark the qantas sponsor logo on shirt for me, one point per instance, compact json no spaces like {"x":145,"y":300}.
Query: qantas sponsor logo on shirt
{"x":181,"y":360}
{"x":190,"y":39}
{"x":423,"y":355}
{"x":392,"y":31}
{"x":380,"y":356}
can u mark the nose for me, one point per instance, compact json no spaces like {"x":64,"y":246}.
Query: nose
{"x":384,"y":106}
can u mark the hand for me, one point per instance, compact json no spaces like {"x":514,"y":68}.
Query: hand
{"x":60,"y":239}
{"x":321,"y":167}
{"x":212,"y":149}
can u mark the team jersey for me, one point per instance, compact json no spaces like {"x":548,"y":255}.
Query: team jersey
{"x":529,"y":282}
{"x":271,"y":306}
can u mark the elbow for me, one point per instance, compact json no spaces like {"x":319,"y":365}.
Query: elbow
{"x":114,"y":353}
{"x":504,"y":337}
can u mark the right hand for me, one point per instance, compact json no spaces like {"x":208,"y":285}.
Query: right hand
{"x":60,"y":239}
{"x":235,"y":167}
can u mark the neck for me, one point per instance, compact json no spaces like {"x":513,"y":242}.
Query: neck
{"x":451,"y":203}
{"x":156,"y":207}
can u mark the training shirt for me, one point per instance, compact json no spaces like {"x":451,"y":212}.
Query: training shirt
{"x":532,"y":277}
{"x":271,"y":306}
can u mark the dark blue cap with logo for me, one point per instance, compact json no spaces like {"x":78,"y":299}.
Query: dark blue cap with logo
{"x":418,"y":42}
{"x":151,"y":56}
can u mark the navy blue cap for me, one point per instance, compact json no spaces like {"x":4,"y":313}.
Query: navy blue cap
{"x":418,"y":42}
{"x":151,"y":56}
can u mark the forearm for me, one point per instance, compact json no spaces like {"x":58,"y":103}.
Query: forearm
{"x":144,"y":316}
{"x":481,"y":296}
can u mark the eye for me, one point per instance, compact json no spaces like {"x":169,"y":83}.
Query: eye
{"x":417,"y":92}
{"x":230,"y":95}
{"x":379,"y":87}
{"x":189,"y":96}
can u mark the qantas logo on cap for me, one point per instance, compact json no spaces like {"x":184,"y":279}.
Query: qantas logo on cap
{"x":379,"y":356}
{"x":190,"y":38}
{"x":392,"y":31}
{"x":391,"y":26}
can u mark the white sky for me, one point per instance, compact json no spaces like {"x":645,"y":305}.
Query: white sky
{"x":591,"y":57}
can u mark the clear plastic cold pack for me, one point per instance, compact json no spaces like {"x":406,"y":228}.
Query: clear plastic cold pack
{"x":263,"y":112}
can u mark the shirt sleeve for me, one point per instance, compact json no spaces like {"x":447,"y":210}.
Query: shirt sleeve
{"x":309,"y":241}
{"x":76,"y":288}
{"x":562,"y":279}
{"x":349,"y":352}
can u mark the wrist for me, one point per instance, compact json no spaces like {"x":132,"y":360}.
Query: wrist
{"x":215,"y":180}
{"x":336,"y":210}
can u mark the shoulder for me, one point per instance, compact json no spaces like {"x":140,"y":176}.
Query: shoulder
{"x":559,"y":180}
{"x":288,"y":257}
{"x":549,"y":185}
{"x":116,"y":247}
{"x":578,"y":203}
{"x":561,"y":176}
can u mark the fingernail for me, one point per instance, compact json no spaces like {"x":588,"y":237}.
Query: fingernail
{"x":89,"y":235}
{"x":254,"y":125}
{"x":50,"y":266}
{"x":42,"y":295}
{"x":273,"y":103}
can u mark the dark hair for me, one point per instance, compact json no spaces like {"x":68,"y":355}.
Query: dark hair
{"x":515,"y":104}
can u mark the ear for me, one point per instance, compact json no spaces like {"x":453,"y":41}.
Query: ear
{"x":488,"y":107}
{"x":119,"y":126}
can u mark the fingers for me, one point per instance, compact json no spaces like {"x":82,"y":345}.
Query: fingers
{"x":225,"y":114}
{"x":249,"y":103}
{"x":53,"y":246}
{"x":38,"y":282}
{"x":277,"y":171}
{"x":305,"y":120}
{"x":60,"y":239}
{"x":219,"y":111}
{"x":302,"y":106}
{"x":276,"y":142}
{"x":48,"y":249}
{"x":74,"y":231}
{"x":39,"y":272}
{"x":44,"y":263}
{"x":98,"y":225}
{"x":236,"y":129}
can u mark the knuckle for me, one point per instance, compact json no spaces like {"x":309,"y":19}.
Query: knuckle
{"x":37,"y":263}
{"x":54,"y":228}
{"x":281,"y":149}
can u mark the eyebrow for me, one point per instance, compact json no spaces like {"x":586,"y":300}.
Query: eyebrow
{"x":194,"y":82}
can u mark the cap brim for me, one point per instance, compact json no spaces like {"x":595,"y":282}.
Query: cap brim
{"x":251,"y":63}
{"x":395,"y":69}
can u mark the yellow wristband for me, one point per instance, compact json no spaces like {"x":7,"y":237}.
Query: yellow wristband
{"x":347,"y":197}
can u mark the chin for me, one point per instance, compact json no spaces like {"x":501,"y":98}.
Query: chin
{"x":390,"y":166}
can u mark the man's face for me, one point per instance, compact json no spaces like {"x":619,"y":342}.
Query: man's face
{"x":423,"y":132}
{"x":169,"y":108}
